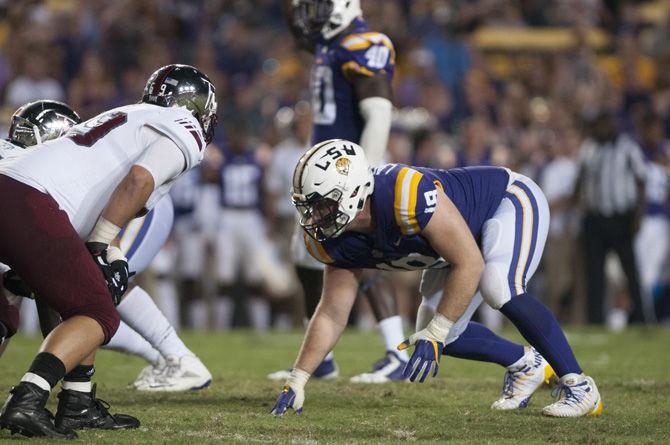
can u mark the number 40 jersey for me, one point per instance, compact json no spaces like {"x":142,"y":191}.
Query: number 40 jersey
{"x":402,"y":203}
{"x":334,"y":101}
{"x":81,"y":170}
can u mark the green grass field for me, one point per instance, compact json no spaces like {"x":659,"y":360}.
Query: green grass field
{"x":632,"y":371}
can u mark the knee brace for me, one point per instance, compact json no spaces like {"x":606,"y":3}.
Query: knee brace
{"x":493,"y":285}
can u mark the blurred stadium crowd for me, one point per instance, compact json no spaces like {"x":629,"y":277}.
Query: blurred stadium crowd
{"x":514,"y":83}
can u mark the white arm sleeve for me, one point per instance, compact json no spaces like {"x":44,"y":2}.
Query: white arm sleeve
{"x":377,"y":113}
{"x":162,"y":157}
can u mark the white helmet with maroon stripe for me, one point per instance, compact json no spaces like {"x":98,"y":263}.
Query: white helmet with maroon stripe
{"x":330,"y":185}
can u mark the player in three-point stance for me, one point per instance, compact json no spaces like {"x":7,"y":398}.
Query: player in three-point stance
{"x":113,"y":168}
{"x":173,"y":367}
{"x":351,"y":99}
{"x":478,"y":233}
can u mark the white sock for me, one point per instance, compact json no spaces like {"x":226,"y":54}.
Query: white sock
{"x":329,"y":356}
{"x":223,"y":313}
{"x":128,"y":341}
{"x":142,"y":314}
{"x":77,"y":386}
{"x":393,"y":334}
{"x":259,"y":313}
{"x":198,"y":315}
{"x":37,"y":380}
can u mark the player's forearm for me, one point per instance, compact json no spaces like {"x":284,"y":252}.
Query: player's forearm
{"x":377,"y":113}
{"x":322,"y":334}
{"x":129,"y":197}
{"x":459,"y":289}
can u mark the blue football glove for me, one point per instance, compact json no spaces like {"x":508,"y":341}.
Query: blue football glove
{"x":428,"y":344}
{"x":426,"y":357}
{"x":293,"y":394}
{"x":288,"y":398}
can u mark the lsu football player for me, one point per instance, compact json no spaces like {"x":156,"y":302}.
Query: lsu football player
{"x":351,"y":99}
{"x":173,"y":367}
{"x":478,"y":233}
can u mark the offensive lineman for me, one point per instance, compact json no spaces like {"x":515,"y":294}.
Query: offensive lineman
{"x":112,"y":168}
{"x":476,"y":231}
{"x":351,"y":99}
{"x":174,"y":367}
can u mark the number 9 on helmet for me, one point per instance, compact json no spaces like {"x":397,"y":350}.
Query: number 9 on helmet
{"x":184,"y":86}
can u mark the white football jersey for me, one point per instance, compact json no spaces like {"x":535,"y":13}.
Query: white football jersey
{"x":9,"y":150}
{"x":82,"y":169}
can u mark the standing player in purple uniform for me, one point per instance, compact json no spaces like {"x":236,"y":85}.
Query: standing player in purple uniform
{"x":351,"y":99}
{"x":242,"y":245}
{"x":478,"y":233}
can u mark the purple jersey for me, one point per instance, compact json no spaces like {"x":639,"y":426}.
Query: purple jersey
{"x":334,"y":102}
{"x":241,"y":180}
{"x":403,"y":202}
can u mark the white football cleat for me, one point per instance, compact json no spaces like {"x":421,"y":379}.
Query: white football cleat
{"x":522,"y":379}
{"x":180,"y":374}
{"x":577,"y":396}
{"x":386,"y":370}
{"x":149,"y":372}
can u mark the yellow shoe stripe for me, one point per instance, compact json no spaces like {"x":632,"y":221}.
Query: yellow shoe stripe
{"x":597,"y":412}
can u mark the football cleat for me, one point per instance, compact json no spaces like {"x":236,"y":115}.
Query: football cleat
{"x":25,"y":413}
{"x":79,"y":410}
{"x":180,"y":374}
{"x":522,"y":380}
{"x":577,"y":396}
{"x":149,"y":372}
{"x":389,"y":368}
{"x":327,"y":370}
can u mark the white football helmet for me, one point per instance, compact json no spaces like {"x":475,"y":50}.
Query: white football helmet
{"x":330,"y":185}
{"x":325,"y":17}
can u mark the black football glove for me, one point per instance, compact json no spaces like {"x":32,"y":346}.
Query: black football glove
{"x":15,"y":284}
{"x":116,"y":273}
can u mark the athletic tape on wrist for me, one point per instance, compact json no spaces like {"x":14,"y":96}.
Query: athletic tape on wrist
{"x":104,"y":232}
{"x":114,"y":253}
{"x":439,"y":327}
{"x":298,"y":378}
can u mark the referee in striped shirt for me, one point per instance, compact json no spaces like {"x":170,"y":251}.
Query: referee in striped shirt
{"x":611,"y":189}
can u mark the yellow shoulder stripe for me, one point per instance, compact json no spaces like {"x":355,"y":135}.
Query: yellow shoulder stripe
{"x":404,"y":206}
{"x":352,"y":67}
{"x":316,"y":250}
{"x":355,"y":42}
{"x":364,"y":40}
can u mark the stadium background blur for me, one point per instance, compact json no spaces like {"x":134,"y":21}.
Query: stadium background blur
{"x":512,"y":83}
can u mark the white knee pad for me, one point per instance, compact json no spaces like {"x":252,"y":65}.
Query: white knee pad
{"x":493,"y":285}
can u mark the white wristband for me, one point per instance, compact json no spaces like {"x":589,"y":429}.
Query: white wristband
{"x":104,"y":232}
{"x":297,"y":379}
{"x":439,"y":327}
{"x":114,"y":253}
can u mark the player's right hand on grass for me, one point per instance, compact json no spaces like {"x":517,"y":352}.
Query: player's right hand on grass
{"x":288,"y":398}
{"x":293,"y":394}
